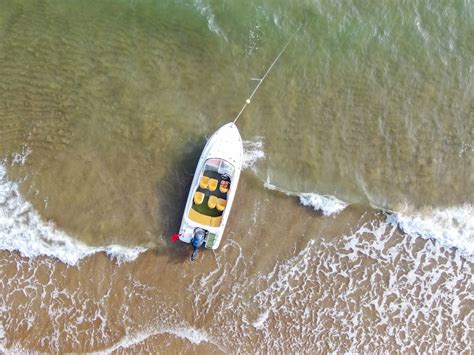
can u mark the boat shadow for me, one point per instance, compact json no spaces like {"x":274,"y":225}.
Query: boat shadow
{"x":172,"y":195}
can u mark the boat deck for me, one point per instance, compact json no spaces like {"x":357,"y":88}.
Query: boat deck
{"x":202,"y":213}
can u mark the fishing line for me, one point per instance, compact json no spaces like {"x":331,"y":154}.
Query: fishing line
{"x":260,"y":81}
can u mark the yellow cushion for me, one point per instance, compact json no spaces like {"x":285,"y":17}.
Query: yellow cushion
{"x":204,"y":182}
{"x":198,"y":197}
{"x":212,"y":184}
{"x":216,"y":221}
{"x":221,"y":203}
{"x":211,"y":203}
{"x":199,"y":217}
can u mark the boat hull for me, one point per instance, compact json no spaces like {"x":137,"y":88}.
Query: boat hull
{"x":224,"y":145}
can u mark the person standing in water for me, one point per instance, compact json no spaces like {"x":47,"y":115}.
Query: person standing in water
{"x":197,"y":241}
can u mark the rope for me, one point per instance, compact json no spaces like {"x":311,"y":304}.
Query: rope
{"x":260,"y":81}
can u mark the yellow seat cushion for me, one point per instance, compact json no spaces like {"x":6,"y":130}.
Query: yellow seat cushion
{"x":203,"y":182}
{"x":212,"y":202}
{"x":221,"y":203}
{"x":199,"y":217}
{"x":212,"y":184}
{"x":198,"y":197}
{"x":216,"y":221}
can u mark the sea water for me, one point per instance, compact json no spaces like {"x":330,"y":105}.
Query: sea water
{"x":352,"y":229}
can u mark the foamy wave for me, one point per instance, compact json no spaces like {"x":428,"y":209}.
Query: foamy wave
{"x":206,"y":11}
{"x":253,"y":152}
{"x":188,"y":333}
{"x":23,"y":230}
{"x":328,"y":205}
{"x":330,"y":287}
{"x":452,"y":227}
{"x":262,"y":318}
{"x":2,"y":337}
{"x":20,"y":158}
{"x":195,"y":336}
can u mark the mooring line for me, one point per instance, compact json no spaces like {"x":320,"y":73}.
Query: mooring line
{"x":260,"y":81}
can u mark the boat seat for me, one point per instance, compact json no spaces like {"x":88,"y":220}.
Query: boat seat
{"x":216,"y":221}
{"x":200,"y":218}
{"x":203,"y":182}
{"x":221,"y":203}
{"x":224,"y":186}
{"x":212,"y":184}
{"x":198,"y":197}
{"x":212,"y":202}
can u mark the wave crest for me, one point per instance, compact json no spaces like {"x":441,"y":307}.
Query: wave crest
{"x":22,"y":229}
{"x":253,"y":152}
{"x":452,"y":227}
{"x":328,"y":205}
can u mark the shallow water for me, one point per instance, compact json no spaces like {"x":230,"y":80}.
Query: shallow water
{"x":104,"y":110}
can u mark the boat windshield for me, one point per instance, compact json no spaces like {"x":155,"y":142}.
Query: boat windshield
{"x":221,"y":166}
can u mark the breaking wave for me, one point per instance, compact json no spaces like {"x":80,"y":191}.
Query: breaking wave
{"x":22,"y":229}
{"x":188,"y":333}
{"x":253,"y":152}
{"x":452,"y":227}
{"x":326,"y":204}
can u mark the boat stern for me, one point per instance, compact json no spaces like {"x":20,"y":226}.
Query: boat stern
{"x":212,"y":240}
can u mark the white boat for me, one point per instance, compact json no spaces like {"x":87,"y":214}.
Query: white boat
{"x":213,"y":188}
{"x":215,"y":183}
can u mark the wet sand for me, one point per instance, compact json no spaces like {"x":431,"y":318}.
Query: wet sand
{"x":303,"y":283}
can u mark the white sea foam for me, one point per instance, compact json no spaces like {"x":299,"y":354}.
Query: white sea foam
{"x":2,"y":338}
{"x":409,"y":291}
{"x":22,"y":229}
{"x":262,"y":318}
{"x":452,"y":227}
{"x":206,"y":11}
{"x":253,"y":152}
{"x":328,"y":205}
{"x":20,"y":158}
{"x":207,"y":288}
{"x":188,"y":333}
{"x":253,"y":39}
{"x":193,"y":335}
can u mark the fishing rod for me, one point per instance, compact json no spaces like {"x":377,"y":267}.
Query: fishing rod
{"x":260,"y":80}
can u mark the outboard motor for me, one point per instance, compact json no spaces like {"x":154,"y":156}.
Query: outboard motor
{"x":198,"y":240}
